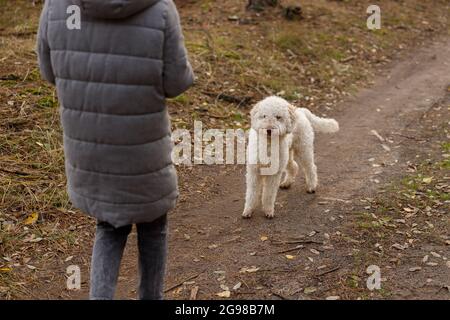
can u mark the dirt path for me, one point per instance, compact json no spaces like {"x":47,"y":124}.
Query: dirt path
{"x":210,"y":243}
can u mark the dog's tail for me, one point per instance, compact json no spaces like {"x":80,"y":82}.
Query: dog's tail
{"x":321,"y":124}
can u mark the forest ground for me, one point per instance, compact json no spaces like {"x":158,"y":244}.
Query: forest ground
{"x":383,"y":199}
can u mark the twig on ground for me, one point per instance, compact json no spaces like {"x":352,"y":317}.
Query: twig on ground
{"x":348,"y":59}
{"x":181,"y":282}
{"x":297,"y":242}
{"x":19,"y":173}
{"x":336,"y":199}
{"x":409,"y":137}
{"x":280,"y":296}
{"x":291,"y":249}
{"x":194,"y":293}
{"x":327,"y":271}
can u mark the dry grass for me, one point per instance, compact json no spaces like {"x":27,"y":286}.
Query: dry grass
{"x":314,"y":62}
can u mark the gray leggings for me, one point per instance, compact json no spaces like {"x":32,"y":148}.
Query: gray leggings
{"x":107,"y":254}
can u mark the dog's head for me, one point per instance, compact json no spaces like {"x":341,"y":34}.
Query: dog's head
{"x":274,"y":115}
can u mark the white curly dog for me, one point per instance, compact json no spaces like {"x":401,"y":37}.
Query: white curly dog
{"x":275,"y":119}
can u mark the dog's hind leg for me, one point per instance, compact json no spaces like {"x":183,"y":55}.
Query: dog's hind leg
{"x":290,"y":173}
{"x":306,"y":157}
{"x":269,"y":194}
{"x":253,"y":192}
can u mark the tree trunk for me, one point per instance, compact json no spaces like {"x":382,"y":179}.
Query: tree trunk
{"x":259,"y":5}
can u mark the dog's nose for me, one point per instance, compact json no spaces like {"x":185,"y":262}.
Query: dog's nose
{"x":269,"y":132}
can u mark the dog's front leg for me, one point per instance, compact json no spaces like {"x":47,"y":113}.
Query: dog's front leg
{"x":269,"y":194}
{"x":290,"y":173}
{"x":253,"y":192}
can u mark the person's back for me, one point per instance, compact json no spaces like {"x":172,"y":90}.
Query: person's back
{"x":112,"y":77}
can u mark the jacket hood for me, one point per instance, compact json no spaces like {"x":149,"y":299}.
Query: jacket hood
{"x":114,"y":9}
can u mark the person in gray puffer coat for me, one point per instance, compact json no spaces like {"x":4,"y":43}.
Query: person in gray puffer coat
{"x":112,"y":76}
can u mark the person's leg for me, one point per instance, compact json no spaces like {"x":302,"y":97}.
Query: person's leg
{"x":106,"y":256}
{"x":152,"y":243}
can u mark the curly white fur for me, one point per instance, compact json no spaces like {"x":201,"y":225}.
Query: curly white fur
{"x":294,"y":129}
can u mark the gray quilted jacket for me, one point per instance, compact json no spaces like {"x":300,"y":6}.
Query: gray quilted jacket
{"x":112,"y":77}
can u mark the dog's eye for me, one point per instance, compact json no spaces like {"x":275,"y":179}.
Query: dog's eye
{"x":279,"y":117}
{"x":264,"y":116}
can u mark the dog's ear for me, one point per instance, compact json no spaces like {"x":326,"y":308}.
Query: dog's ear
{"x":292,"y":118}
{"x":254,"y":111}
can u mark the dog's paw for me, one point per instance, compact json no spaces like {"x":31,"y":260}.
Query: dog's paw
{"x":285,"y":184}
{"x":270,"y":214}
{"x":311,"y":191}
{"x":247,"y":214}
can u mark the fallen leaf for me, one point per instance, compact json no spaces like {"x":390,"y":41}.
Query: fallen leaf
{"x":237,"y":286}
{"x":413,"y":269}
{"x":224,"y":287}
{"x":310,"y":290}
{"x":31,"y":219}
{"x":4,"y":289}
{"x":386,"y":148}
{"x":427,"y":180}
{"x":36,"y":239}
{"x":178,"y":291}
{"x":5,"y":269}
{"x":249,"y":270}
{"x":399,"y":246}
{"x":194,"y":293}
{"x":435,"y":254}
{"x":289,"y":257}
{"x":333,"y":298}
{"x":224,"y":294}
{"x":264,"y":238}
{"x":376,"y":134}
{"x":219,"y":272}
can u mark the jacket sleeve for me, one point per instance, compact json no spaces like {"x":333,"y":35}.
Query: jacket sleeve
{"x":43,"y":49}
{"x":177,"y":75}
